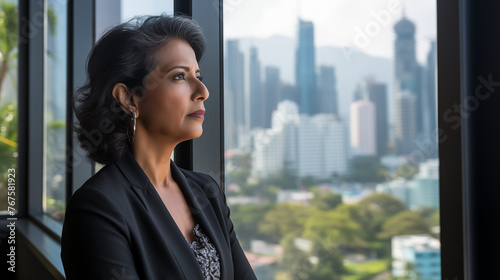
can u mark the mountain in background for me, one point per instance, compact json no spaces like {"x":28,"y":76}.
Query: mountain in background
{"x":279,"y":51}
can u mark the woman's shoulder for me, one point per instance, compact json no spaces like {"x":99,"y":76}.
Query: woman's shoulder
{"x":107,"y":183}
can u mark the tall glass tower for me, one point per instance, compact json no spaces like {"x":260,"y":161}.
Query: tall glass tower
{"x":407,"y":91}
{"x":305,"y":69}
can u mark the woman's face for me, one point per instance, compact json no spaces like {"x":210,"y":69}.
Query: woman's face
{"x":173,"y":109}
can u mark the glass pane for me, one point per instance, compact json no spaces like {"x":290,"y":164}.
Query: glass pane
{"x":55,"y":92}
{"x":330,"y":137}
{"x":112,"y":12}
{"x":8,"y":107}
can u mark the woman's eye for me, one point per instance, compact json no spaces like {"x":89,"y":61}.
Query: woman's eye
{"x":200,"y":78}
{"x":179,"y":76}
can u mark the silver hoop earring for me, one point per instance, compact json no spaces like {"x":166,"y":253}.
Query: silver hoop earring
{"x":134,"y":121}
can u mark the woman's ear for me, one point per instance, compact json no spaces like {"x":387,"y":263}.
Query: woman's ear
{"x":125,"y":99}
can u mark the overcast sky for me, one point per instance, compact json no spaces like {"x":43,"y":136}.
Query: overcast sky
{"x":337,"y":22}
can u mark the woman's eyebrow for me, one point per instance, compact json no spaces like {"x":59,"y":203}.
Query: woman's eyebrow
{"x":187,"y":69}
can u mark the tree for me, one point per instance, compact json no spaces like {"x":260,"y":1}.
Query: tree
{"x":8,"y":147}
{"x":245,"y":218}
{"x":333,"y":229}
{"x":404,"y":223}
{"x":406,"y":171}
{"x":284,"y":178}
{"x":8,"y":38}
{"x":325,"y":200}
{"x":375,"y":209}
{"x":320,"y":262}
{"x":285,"y":218}
{"x":367,"y":169}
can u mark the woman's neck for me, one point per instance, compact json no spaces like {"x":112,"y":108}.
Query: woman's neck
{"x":154,"y":158}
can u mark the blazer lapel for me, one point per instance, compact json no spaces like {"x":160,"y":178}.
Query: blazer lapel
{"x":165,"y":224}
{"x":205,"y":216}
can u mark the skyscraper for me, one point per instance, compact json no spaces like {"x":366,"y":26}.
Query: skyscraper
{"x":256,"y":93}
{"x":305,"y":69}
{"x":363,"y":128}
{"x":234,"y":94}
{"x":407,"y":87}
{"x":404,"y":57}
{"x":405,"y":115}
{"x":271,"y":91}
{"x":327,"y":88}
{"x":377,"y":93}
{"x":430,"y":89}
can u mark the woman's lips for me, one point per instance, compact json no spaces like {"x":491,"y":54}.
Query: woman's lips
{"x":200,"y":114}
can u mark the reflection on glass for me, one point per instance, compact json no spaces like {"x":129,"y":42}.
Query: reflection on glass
{"x":331,"y":148}
{"x":55,"y":109}
{"x":8,"y":104}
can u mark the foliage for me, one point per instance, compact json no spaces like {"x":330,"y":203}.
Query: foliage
{"x":321,"y":262}
{"x":8,"y":28}
{"x":246,"y":219}
{"x":8,"y":38}
{"x":325,"y":200}
{"x":8,"y":136}
{"x":333,"y":228}
{"x":366,"y":169}
{"x":406,"y":171}
{"x":404,"y":223}
{"x":284,"y":219}
{"x":366,"y":270}
{"x":376,"y":208}
{"x":284,"y":179}
{"x":8,"y":147}
{"x":430,"y":214}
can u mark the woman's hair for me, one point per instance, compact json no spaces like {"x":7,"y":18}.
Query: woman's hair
{"x":125,"y":54}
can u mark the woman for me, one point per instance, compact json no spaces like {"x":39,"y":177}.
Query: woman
{"x":142,"y":217}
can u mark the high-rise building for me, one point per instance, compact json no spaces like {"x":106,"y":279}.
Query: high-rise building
{"x":308,"y":146}
{"x":271,"y":92}
{"x":256,"y":94}
{"x":327,"y":88}
{"x":305,"y":69}
{"x":234,"y":94}
{"x":377,"y":93}
{"x":430,"y":90}
{"x":407,"y":90}
{"x":417,"y":256}
{"x":405,"y":129}
{"x":404,"y":56}
{"x":363,"y":127}
{"x":322,"y":146}
{"x":276,"y":147}
{"x":424,"y":190}
{"x":288,"y":92}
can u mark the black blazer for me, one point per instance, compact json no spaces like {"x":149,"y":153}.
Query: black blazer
{"x":117,"y":227}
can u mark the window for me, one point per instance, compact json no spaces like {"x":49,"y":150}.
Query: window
{"x":330,"y":134}
{"x":55,"y":104}
{"x":274,"y":77}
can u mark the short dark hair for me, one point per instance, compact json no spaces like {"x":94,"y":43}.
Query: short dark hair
{"x":124,"y":54}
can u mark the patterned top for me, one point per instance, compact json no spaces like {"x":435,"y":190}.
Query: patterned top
{"x":206,"y":254}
